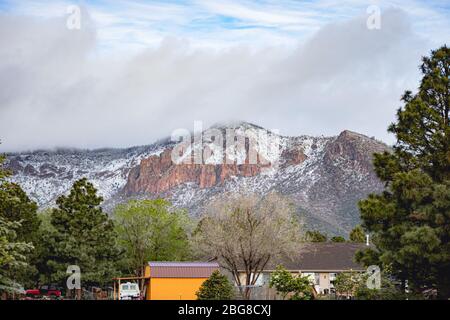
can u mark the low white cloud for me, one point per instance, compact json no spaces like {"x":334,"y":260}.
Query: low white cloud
{"x":58,"y":91}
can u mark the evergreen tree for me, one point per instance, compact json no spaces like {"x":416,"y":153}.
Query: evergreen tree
{"x":3,"y":172}
{"x":43,"y":248}
{"x":216,"y":287}
{"x":12,"y":255}
{"x":83,"y":235}
{"x":315,"y":236}
{"x":337,"y":239}
{"x":16,"y":206}
{"x":357,"y":235}
{"x":410,"y":220}
{"x":389,"y":289}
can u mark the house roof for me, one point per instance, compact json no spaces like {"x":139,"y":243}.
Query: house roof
{"x":182,"y":269}
{"x":324,"y":256}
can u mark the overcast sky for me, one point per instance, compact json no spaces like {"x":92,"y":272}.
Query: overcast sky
{"x":137,"y":70}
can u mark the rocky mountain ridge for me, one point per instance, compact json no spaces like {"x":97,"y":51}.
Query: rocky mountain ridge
{"x":324,"y":176}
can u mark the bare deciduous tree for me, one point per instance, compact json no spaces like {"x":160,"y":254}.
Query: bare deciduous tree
{"x":245,"y":231}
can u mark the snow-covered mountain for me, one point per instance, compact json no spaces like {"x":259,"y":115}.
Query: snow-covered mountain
{"x":324,"y":176}
{"x":45,"y":174}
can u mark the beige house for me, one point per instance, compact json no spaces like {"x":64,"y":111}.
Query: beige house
{"x":320,"y":261}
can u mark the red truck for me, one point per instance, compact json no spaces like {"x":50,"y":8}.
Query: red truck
{"x":44,"y":291}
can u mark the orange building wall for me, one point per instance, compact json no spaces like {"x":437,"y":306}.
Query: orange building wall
{"x":147,"y":272}
{"x":173,"y":288}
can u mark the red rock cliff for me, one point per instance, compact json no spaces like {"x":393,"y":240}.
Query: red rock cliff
{"x":158,"y":174}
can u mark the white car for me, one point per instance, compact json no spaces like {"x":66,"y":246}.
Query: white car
{"x":129,"y":291}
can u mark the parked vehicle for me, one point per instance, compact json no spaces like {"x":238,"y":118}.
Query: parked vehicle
{"x":44,"y":291}
{"x":129,"y":291}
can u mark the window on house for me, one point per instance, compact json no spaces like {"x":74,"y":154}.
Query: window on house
{"x":263,"y":279}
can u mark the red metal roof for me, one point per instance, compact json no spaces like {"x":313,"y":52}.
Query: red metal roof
{"x":182,"y":269}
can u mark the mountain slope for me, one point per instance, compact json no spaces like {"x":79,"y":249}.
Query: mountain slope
{"x":324,"y":176}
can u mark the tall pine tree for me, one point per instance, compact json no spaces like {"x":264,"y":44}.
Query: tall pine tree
{"x":17,"y":207}
{"x":12,"y":256}
{"x":410,"y":220}
{"x":357,"y":235}
{"x":83,"y":235}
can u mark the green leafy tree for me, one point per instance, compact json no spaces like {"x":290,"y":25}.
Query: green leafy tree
{"x":303,"y":288}
{"x":152,"y":230}
{"x":216,"y":287}
{"x":337,"y":239}
{"x":282,"y":281}
{"x":83,"y":235}
{"x":298,"y":287}
{"x":315,"y":236}
{"x":357,"y":235}
{"x":410,"y":219}
{"x":346,"y":283}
